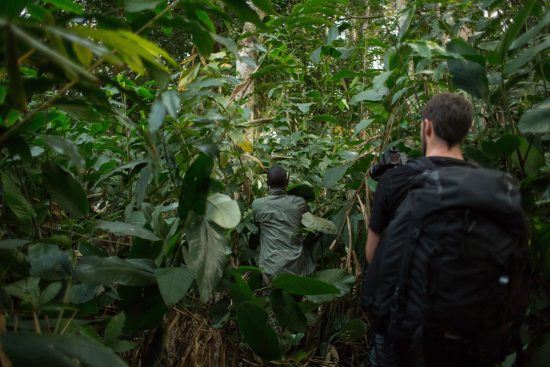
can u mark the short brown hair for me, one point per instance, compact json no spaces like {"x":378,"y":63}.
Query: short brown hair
{"x":451,"y":116}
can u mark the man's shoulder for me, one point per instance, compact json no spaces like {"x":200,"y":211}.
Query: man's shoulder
{"x":257,"y":203}
{"x":398,"y":173}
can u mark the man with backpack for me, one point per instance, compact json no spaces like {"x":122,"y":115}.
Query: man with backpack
{"x":445,"y":282}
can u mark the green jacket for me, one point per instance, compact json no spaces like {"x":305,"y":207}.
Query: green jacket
{"x":279,"y":217}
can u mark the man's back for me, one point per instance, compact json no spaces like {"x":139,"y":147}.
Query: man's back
{"x":279,"y":216}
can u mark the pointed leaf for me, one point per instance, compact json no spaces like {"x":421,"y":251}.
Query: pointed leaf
{"x":206,"y":254}
{"x":65,"y":190}
{"x":469,"y":76}
{"x":537,"y":119}
{"x":254,"y":327}
{"x":287,"y":311}
{"x":173,"y":283}
{"x":318,"y":224}
{"x":65,"y":147}
{"x":114,"y":329}
{"x":109,"y":270}
{"x":223,"y":211}
{"x":127,"y":229}
{"x":29,"y":349}
{"x":302,"y":286}
{"x":15,"y":200}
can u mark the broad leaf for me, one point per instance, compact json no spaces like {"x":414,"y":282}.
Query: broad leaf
{"x":65,"y":147}
{"x":469,"y":76}
{"x":55,"y":56}
{"x":127,"y":229}
{"x":336,"y":277}
{"x":362,"y":125}
{"x":287,"y":311}
{"x":15,"y":200}
{"x":514,"y":29}
{"x":29,"y":349}
{"x":244,"y":11}
{"x":173,"y":283}
{"x":109,"y":270}
{"x":67,"y":5}
{"x":303,"y":189}
{"x":223,"y":211}
{"x":333,"y":175}
{"x":156,"y":116}
{"x":114,"y":329}
{"x":254,"y":327}
{"x":537,"y":119}
{"x":83,"y":292}
{"x":264,"y":5}
{"x":526,"y":56}
{"x":205,"y":255}
{"x":366,"y":95}
{"x":302,"y":286}
{"x":132,"y":6}
{"x":171,"y":102}
{"x":27,"y":290}
{"x":318,"y":224}
{"x":196,"y":182}
{"x":12,"y":243}
{"x":64,"y":189}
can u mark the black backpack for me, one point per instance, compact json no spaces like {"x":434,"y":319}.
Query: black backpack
{"x":453,"y":260}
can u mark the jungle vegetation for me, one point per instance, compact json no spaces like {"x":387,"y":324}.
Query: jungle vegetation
{"x":135,"y":134}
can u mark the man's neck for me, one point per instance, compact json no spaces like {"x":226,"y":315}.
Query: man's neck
{"x":441,"y":150}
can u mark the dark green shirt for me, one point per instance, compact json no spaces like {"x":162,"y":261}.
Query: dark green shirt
{"x":279,"y":217}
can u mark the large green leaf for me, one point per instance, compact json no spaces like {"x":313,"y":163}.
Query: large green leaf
{"x":67,"y":5}
{"x":537,"y":119}
{"x":27,"y":290}
{"x":108,"y":270}
{"x":223,"y":211}
{"x":173,"y":283}
{"x":366,"y":95}
{"x":29,"y":349}
{"x":64,"y":189}
{"x":526,"y":56}
{"x":302,"y":286}
{"x":206,"y":253}
{"x":336,"y":277}
{"x":264,"y":5}
{"x":194,"y":189}
{"x":114,"y":329}
{"x":12,"y":243}
{"x":58,"y":58}
{"x":463,"y":48}
{"x":302,"y":189}
{"x":287,"y":311}
{"x":469,"y":76}
{"x":244,"y":11}
{"x":139,"y":5}
{"x":15,"y":200}
{"x":254,"y":327}
{"x":334,"y":174}
{"x":513,"y":30}
{"x":531,"y":158}
{"x":127,"y":229}
{"x":318,"y":224}
{"x":48,"y":262}
{"x":531,"y":33}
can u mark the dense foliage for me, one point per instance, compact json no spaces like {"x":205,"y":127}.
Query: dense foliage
{"x":135,"y":135}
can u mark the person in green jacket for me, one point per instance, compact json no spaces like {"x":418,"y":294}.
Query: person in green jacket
{"x":279,"y":216}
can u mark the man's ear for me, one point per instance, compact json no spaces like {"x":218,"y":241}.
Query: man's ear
{"x":428,"y":127}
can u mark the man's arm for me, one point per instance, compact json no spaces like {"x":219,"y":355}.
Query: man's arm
{"x":372,"y":243}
